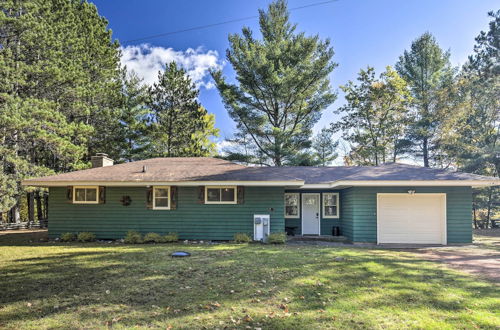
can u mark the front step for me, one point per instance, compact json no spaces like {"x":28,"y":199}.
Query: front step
{"x":322,"y":238}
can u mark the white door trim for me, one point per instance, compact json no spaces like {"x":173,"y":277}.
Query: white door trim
{"x":302,"y":212}
{"x":444,"y":224}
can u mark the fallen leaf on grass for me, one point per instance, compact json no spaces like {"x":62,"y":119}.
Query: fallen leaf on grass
{"x":212,"y":305}
{"x":284,"y":307}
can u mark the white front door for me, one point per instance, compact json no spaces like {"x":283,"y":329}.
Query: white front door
{"x":310,"y":214}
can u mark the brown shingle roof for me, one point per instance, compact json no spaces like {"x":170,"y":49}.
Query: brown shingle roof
{"x":200,"y":169}
{"x":385,"y":172}
{"x":174,"y":169}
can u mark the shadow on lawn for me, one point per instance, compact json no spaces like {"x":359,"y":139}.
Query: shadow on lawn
{"x":145,"y":280}
{"x":24,"y":237}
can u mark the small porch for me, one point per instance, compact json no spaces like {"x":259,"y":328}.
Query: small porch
{"x":314,"y":215}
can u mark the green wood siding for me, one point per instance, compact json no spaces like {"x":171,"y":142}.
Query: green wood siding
{"x":347,"y":212}
{"x":191,"y":219}
{"x":458,"y":210}
{"x":326,"y":224}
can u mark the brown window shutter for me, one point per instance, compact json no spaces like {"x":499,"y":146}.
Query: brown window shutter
{"x":173,"y":197}
{"x":149,"y":197}
{"x":69,"y":194}
{"x":102,"y":194}
{"x":201,"y":194}
{"x":240,"y":194}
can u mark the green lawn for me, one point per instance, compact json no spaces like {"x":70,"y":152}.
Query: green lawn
{"x":63,"y":285}
{"x":487,"y":238}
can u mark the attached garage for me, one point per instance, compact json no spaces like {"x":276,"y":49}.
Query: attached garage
{"x":411,"y":218}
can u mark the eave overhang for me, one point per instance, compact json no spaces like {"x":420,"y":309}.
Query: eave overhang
{"x":42,"y":183}
{"x":402,"y":183}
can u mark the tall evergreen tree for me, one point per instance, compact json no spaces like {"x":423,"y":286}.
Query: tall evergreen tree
{"x":426,"y":68}
{"x":180,"y":125}
{"x":483,"y":76}
{"x":472,"y":135}
{"x":58,"y":75}
{"x":134,"y":118}
{"x":375,"y":116}
{"x":324,"y":147}
{"x":282,"y":89}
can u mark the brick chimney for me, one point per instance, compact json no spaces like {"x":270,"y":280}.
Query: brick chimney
{"x":101,"y":160}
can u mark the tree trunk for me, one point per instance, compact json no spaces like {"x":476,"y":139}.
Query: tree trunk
{"x":14,"y":215}
{"x":488,"y":213}
{"x":39,"y":210}
{"x":46,"y":205}
{"x":31,"y":208}
{"x":425,"y":151}
{"x":474,"y":215}
{"x":17,"y":213}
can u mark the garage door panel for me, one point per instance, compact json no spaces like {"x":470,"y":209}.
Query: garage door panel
{"x":416,"y":218}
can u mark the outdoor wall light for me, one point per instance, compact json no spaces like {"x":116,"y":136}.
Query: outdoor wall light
{"x":411,"y":192}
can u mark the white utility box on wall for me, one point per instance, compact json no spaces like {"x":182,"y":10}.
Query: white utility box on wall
{"x":261,"y":227}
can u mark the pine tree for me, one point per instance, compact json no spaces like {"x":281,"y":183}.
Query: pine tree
{"x":471,"y":137}
{"x":180,"y":125}
{"x":324,"y":147}
{"x":375,"y":116}
{"x":282,"y":89}
{"x":426,"y":68}
{"x":134,"y":118}
{"x":58,"y":69}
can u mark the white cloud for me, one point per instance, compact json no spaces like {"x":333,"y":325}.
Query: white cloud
{"x":223,"y":145}
{"x":146,"y":60}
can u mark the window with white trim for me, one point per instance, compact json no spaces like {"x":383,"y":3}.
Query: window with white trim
{"x":330,"y":205}
{"x":220,"y":195}
{"x":85,"y":195}
{"x":161,"y":198}
{"x":292,"y":205}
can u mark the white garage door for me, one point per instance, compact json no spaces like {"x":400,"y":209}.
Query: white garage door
{"x":411,"y":218}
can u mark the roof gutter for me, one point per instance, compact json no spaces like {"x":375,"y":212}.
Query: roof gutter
{"x":292,"y":183}
{"x":35,"y":183}
{"x":415,"y":183}
{"x":401,"y":183}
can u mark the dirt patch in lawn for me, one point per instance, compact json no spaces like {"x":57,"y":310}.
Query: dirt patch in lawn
{"x":481,"y":262}
{"x":482,"y":259}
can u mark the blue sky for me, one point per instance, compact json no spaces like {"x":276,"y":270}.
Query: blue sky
{"x":363,"y":32}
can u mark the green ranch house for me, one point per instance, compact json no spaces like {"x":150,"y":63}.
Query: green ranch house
{"x":212,"y":199}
